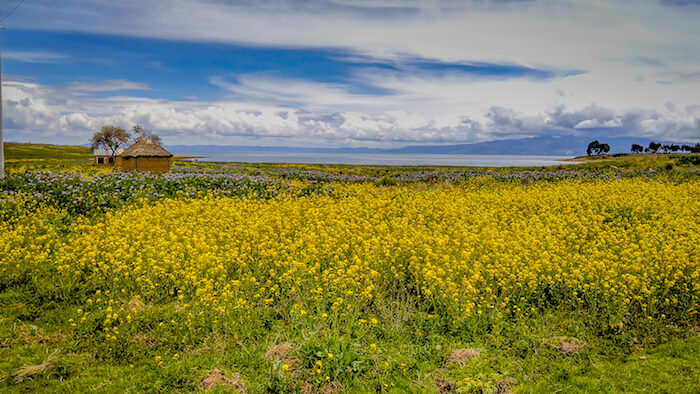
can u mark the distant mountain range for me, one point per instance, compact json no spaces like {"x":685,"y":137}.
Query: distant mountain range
{"x":545,"y":146}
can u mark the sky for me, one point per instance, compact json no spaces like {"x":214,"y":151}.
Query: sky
{"x":351,"y":73}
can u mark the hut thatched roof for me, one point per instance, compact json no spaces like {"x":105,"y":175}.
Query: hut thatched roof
{"x":146,"y":148}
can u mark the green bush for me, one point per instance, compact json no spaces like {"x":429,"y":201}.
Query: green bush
{"x":687,"y":160}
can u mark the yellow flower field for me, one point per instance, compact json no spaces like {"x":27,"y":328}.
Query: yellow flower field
{"x":626,"y":247}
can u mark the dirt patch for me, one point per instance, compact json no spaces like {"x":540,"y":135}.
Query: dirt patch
{"x":461,"y":356}
{"x":31,"y":334}
{"x":616,"y":168}
{"x":136,"y":305}
{"x":505,"y":385}
{"x":567,"y":345}
{"x":143,"y":339}
{"x":328,"y":388}
{"x":445,"y":385}
{"x":279,"y":352}
{"x":214,"y":343}
{"x":216,"y":379}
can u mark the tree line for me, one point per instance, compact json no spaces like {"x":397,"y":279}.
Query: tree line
{"x":597,"y":148}
{"x":112,"y":137}
{"x":655,"y":147}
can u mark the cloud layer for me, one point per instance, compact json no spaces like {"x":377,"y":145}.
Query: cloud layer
{"x":338,"y":118}
{"x":432,"y":72}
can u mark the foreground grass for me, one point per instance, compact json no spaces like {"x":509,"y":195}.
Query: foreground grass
{"x":524,"y":356}
{"x":673,"y":367}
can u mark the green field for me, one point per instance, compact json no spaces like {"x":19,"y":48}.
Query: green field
{"x":21,"y":157}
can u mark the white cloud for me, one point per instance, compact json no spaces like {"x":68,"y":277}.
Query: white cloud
{"x":595,"y":123}
{"x":35,"y":56}
{"x":36,"y":111}
{"x":110,"y":85}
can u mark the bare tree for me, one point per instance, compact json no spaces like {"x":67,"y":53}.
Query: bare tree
{"x":142,"y":133}
{"x":111,"y":137}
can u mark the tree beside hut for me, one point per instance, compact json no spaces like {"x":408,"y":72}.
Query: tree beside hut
{"x":106,"y":145}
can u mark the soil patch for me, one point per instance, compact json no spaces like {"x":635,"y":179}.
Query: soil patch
{"x":461,"y":356}
{"x":216,"y":378}
{"x":567,"y":345}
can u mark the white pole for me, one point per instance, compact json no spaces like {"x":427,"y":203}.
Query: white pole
{"x":2,"y":142}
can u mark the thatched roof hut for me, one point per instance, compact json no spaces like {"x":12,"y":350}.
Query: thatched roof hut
{"x":146,"y":156}
{"x":145,"y":148}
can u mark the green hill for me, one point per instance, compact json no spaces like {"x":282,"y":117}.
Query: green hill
{"x":20,"y":151}
{"x":23,"y":156}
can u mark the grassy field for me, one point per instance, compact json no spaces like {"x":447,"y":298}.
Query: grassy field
{"x":67,"y":153}
{"x":307,"y":278}
{"x":20,"y":157}
{"x":629,"y":160}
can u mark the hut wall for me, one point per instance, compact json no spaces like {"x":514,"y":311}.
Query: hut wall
{"x":153,"y":164}
{"x":116,"y":161}
{"x":128,"y":163}
{"x":146,"y":164}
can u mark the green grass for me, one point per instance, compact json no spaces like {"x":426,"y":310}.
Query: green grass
{"x":412,"y":354}
{"x":21,"y":157}
{"x":673,"y":367}
{"x":626,"y":161}
{"x":22,"y":151}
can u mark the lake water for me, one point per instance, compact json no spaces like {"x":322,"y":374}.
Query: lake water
{"x":391,"y":159}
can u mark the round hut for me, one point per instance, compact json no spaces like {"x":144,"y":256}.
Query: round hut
{"x":146,"y":156}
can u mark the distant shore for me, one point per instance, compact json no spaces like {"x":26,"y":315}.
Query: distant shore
{"x":186,"y":157}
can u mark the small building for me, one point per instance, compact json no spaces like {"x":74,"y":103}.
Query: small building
{"x":145,"y":156}
{"x":104,"y":157}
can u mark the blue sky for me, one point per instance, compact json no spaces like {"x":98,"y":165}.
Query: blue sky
{"x":177,"y":70}
{"x":351,"y":73}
